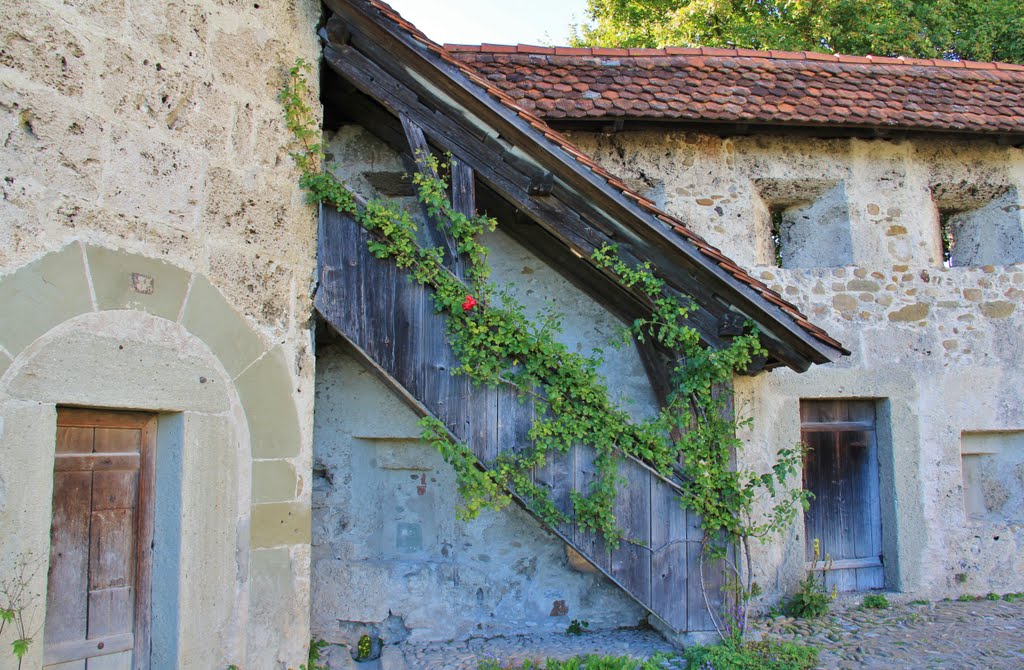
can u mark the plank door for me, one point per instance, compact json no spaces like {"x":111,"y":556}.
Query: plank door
{"x":97,"y":601}
{"x":841,"y":470}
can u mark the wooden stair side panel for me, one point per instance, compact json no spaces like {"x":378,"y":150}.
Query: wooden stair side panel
{"x":391,"y":322}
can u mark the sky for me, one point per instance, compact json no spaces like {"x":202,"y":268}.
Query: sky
{"x":476,"y":21}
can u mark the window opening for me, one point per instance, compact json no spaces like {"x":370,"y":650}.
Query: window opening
{"x":776,"y":213}
{"x":947,"y":236}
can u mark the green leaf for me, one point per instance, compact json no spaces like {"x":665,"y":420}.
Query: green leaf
{"x":20,"y":647}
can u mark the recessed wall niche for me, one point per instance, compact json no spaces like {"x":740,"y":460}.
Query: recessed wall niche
{"x":978,"y":224}
{"x":803,"y":223}
{"x":993,"y":475}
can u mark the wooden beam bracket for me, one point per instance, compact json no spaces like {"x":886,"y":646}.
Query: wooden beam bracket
{"x":542,"y":184}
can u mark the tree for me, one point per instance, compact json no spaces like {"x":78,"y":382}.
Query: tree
{"x":982,"y":30}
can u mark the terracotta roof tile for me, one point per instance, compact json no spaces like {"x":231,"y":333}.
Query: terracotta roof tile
{"x":515,"y":58}
{"x":763,"y":86}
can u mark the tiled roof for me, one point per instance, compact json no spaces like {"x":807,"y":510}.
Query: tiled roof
{"x":559,"y":141}
{"x":744,"y":86}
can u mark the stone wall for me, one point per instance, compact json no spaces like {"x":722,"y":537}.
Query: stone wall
{"x":939,"y":348}
{"x":150,"y":224}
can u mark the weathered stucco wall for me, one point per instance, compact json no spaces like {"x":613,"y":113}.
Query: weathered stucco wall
{"x":390,"y":559}
{"x":145,"y":137}
{"x":940,"y":348}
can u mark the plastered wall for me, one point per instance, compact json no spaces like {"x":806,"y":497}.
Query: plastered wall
{"x":940,"y":348}
{"x":148,"y":202}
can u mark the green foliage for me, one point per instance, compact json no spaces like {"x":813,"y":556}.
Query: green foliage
{"x":992,"y":596}
{"x":765,"y":655}
{"x":576,"y":627}
{"x":18,"y":604}
{"x":1013,"y":597}
{"x":313,"y":658}
{"x":497,"y":344}
{"x":657,"y":662}
{"x":877,"y":601}
{"x":364,"y":648}
{"x":812,"y":598}
{"x":918,"y":603}
{"x":967,"y":598}
{"x":982,"y":30}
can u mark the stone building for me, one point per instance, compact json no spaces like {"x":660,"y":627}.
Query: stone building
{"x":168,"y":399}
{"x":883,"y":197}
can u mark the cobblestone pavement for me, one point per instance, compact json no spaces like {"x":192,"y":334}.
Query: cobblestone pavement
{"x":467,"y":655}
{"x":952,"y":635}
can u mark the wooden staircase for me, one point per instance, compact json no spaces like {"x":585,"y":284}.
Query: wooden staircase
{"x":390,"y":321}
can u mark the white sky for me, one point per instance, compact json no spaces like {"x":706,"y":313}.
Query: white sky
{"x":476,"y":21}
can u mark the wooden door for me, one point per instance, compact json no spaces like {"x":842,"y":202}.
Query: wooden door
{"x":97,"y":602}
{"x":841,"y":470}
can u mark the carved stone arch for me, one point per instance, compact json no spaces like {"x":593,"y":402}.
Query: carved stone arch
{"x":97,"y":327}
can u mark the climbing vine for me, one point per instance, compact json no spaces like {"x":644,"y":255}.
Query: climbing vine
{"x":693,"y":437}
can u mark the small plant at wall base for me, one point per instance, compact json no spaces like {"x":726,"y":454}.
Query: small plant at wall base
{"x":576,"y":627}
{"x":693,"y":437}
{"x":18,"y":604}
{"x":812,"y":597}
{"x":877,"y":601}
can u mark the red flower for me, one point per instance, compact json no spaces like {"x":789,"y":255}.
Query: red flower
{"x":469,"y":303}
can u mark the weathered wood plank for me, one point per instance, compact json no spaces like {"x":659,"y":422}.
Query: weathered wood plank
{"x":98,"y":418}
{"x":118,"y":440}
{"x":556,"y":477}
{"x":120,"y":661}
{"x":89,"y":462}
{"x":68,"y":583}
{"x":434,"y":234}
{"x":630,"y":562}
{"x":70,"y":665}
{"x":111,"y":611}
{"x":115,"y":489}
{"x":463,"y":188}
{"x":669,"y":573}
{"x":72,"y":651}
{"x":112,"y":549}
{"x":74,"y":440}
{"x":591,"y":544}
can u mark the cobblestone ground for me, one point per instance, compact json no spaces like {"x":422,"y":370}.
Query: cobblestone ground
{"x":952,"y":635}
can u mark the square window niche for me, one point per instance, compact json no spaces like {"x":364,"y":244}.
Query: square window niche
{"x":993,"y":475}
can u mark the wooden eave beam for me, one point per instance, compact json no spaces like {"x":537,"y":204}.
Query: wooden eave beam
{"x":399,"y":52}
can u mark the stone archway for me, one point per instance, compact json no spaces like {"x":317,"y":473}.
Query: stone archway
{"x":91,"y":326}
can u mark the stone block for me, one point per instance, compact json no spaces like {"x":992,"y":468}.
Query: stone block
{"x":123,"y":359}
{"x":254,"y":282}
{"x":266,"y":393}
{"x":130,"y":281}
{"x":914,"y":312}
{"x":277,"y":524}
{"x":212,"y":319}
{"x":392,"y":658}
{"x":998,"y":309}
{"x":42,"y":295}
{"x":153,"y":162}
{"x":273,"y":481}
